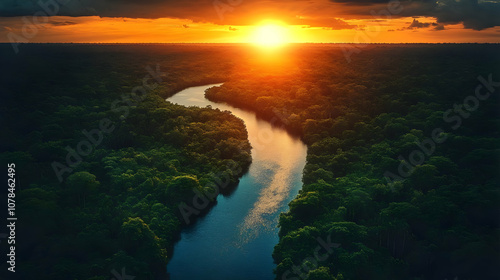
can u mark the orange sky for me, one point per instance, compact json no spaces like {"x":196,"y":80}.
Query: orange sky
{"x":236,"y":21}
{"x":95,"y":29}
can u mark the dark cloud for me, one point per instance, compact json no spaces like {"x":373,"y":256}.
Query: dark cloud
{"x":185,"y":26}
{"x":439,"y":27}
{"x":360,"y":2}
{"x":418,"y":24}
{"x":62,"y":23}
{"x":474,"y":14}
{"x":105,"y":8}
{"x":232,"y":28}
{"x":16,"y":8}
{"x":10,"y":8}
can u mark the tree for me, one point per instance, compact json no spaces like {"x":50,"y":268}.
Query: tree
{"x":141,"y":242}
{"x":321,"y":273}
{"x":82,"y":184}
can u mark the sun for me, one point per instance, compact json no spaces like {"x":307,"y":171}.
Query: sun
{"x":270,"y":35}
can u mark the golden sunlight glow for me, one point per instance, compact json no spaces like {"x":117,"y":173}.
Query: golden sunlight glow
{"x":267,"y":35}
{"x":270,"y":35}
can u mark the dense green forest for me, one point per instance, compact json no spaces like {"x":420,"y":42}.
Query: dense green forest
{"x":118,"y":207}
{"x":394,"y":215}
{"x":403,"y":161}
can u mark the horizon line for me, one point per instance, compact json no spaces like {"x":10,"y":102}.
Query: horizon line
{"x":248,"y":43}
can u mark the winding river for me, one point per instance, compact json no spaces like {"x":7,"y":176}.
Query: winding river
{"x":235,"y":240}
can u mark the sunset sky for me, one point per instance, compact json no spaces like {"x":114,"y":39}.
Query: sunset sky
{"x":235,"y":21}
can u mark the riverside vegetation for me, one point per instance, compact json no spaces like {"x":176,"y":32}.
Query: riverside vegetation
{"x":118,"y":208}
{"x":413,"y":112}
{"x":360,"y":120}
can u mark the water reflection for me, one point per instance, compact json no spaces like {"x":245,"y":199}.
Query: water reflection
{"x":264,"y":213}
{"x":236,"y":238}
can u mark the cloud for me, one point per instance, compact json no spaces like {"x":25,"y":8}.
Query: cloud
{"x":232,"y":28}
{"x":185,"y":26}
{"x":61,"y":23}
{"x":338,"y":24}
{"x":106,"y":8}
{"x":327,"y":23}
{"x":418,"y":24}
{"x":474,"y":14}
{"x":439,"y":27}
{"x":360,"y":2}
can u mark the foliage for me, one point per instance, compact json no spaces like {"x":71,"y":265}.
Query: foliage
{"x":357,"y":119}
{"x":117,"y":208}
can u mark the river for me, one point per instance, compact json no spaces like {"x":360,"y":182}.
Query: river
{"x":235,"y":240}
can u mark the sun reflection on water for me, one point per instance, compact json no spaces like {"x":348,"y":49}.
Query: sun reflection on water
{"x":279,"y":168}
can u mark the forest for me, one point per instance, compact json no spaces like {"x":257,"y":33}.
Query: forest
{"x":118,"y":207}
{"x":402,"y":170}
{"x":403,"y":161}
